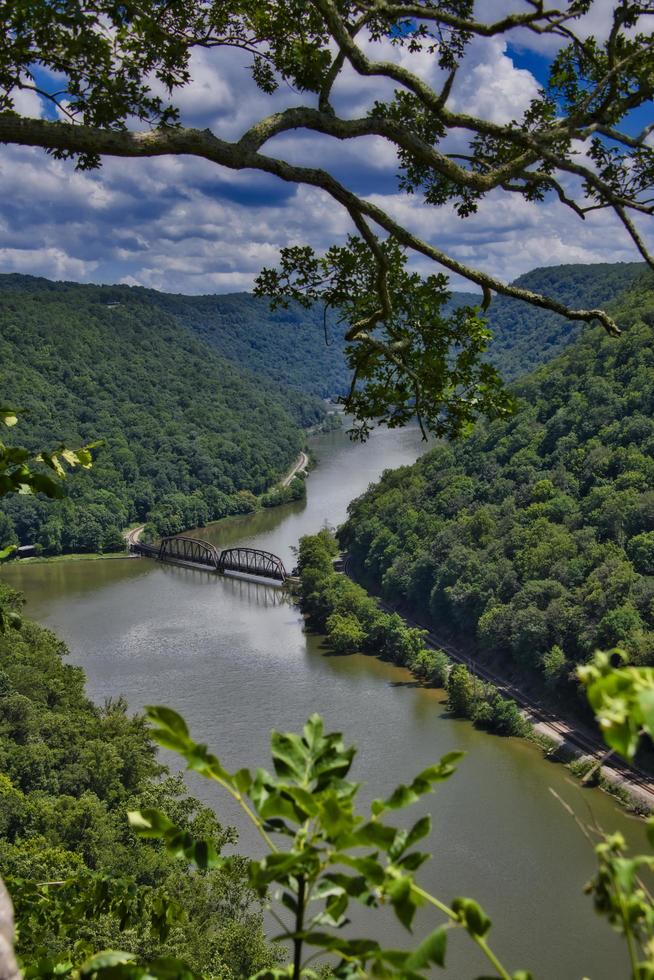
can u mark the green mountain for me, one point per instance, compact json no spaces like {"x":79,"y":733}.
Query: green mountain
{"x":533,"y":541}
{"x":187,"y":433}
{"x":525,"y":337}
{"x":294,"y":348}
{"x":198,"y":397}
{"x":303,"y":349}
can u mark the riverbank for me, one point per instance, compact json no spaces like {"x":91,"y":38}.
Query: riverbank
{"x":355,"y":621}
{"x":133,"y":534}
{"x":585,"y":756}
{"x":234,"y":659}
{"x":75,"y":556}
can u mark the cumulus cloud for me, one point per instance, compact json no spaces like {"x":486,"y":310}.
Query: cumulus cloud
{"x":183,"y":224}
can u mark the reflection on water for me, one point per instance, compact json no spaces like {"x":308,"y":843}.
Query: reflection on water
{"x":233,"y":658}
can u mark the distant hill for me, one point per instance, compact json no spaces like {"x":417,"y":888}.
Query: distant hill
{"x":525,"y":337}
{"x":186,"y":431}
{"x":293,"y":348}
{"x":301,"y":350}
{"x":200,"y":397}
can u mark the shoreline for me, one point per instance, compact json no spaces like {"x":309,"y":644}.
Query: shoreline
{"x":132,"y":534}
{"x":583,"y":755}
{"x":567,"y":744}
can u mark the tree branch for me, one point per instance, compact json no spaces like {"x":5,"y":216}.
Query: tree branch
{"x":236,"y":156}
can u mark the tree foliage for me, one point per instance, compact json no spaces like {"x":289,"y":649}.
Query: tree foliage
{"x":354,"y":622}
{"x":89,"y":362}
{"x":534,"y":533}
{"x":80,"y":880}
{"x":101,"y":67}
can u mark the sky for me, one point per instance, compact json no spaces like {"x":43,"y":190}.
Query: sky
{"x":185,"y":225}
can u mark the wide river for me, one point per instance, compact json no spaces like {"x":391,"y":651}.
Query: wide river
{"x":234,"y":659}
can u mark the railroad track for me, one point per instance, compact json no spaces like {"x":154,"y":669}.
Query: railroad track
{"x":590,"y":746}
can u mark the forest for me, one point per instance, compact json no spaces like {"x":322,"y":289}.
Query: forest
{"x":69,"y":772}
{"x":353,"y":622}
{"x":116,"y":363}
{"x":187,"y":437}
{"x":534,"y":538}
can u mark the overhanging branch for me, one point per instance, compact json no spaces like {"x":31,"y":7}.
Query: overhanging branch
{"x":238,"y":156}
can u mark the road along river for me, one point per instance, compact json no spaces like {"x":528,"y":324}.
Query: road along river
{"x":233,"y":658}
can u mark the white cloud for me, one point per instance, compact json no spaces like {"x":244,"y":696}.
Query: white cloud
{"x":183,"y":224}
{"x":54,"y":263}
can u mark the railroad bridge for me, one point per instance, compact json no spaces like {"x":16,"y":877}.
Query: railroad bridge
{"x":194,"y":552}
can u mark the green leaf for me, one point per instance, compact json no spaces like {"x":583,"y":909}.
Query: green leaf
{"x":242,"y":780}
{"x":423,"y":783}
{"x":105,"y":959}
{"x":431,"y":950}
{"x":403,"y":899}
{"x":149,"y":823}
{"x":471,"y":914}
{"x":166,"y":718}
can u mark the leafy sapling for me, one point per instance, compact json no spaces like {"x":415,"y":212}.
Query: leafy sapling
{"x":322,"y":855}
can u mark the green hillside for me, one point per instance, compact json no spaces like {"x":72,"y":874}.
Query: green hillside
{"x":534,"y":539}
{"x":186,"y":432}
{"x":525,"y":337}
{"x":289,"y":347}
{"x":293,"y":347}
{"x":199,"y":397}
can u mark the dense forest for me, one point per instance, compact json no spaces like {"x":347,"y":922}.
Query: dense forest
{"x":354,"y":622}
{"x":525,"y":337}
{"x":187,"y":437}
{"x":293,"y":348}
{"x":199,"y":400}
{"x":69,"y":772}
{"x":536,"y":535}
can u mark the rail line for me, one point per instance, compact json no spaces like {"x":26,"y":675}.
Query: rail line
{"x":550,"y":724}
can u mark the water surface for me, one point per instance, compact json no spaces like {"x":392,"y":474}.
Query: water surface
{"x":234,"y":659}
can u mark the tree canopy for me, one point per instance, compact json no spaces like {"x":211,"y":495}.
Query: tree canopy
{"x":87,"y":362}
{"x":537,"y":532}
{"x":109,"y":72}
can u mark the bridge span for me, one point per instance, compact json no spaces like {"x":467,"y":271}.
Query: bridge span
{"x":195,"y":553}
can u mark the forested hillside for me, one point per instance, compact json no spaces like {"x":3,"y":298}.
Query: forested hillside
{"x":535,"y":537}
{"x":70,"y":771}
{"x":185,"y":432}
{"x":293,"y":348}
{"x":198,"y":398}
{"x":525,"y":337}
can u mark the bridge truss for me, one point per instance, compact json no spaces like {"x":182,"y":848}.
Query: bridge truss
{"x":252,"y":561}
{"x":191,"y":550}
{"x":194,"y":551}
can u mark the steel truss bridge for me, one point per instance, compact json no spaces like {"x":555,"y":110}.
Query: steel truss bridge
{"x":180,"y":550}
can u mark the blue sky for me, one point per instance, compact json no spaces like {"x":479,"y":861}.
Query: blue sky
{"x":185,"y":225}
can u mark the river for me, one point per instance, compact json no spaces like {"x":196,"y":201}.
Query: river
{"x":233,"y":658}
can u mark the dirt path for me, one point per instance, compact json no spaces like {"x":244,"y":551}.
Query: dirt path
{"x":132,"y":536}
{"x":301,"y":464}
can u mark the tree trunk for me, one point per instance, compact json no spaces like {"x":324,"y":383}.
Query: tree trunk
{"x":8,"y":965}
